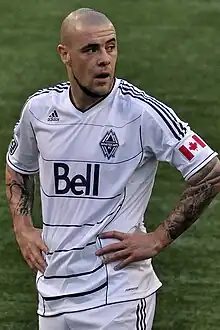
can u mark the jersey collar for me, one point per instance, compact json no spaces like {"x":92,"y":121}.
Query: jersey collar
{"x":95,"y":107}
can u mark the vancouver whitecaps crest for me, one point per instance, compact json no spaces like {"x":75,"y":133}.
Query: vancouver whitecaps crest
{"x":109,"y":144}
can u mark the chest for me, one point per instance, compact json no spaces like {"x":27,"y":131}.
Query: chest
{"x":85,"y":158}
{"x":90,"y":142}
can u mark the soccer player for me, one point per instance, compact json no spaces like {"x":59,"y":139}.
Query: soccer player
{"x":95,"y":141}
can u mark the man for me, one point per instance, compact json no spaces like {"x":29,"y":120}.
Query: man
{"x":95,"y":141}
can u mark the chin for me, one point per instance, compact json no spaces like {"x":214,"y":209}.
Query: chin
{"x":102,"y":91}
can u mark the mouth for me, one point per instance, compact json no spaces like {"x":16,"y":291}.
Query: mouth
{"x":102,"y":76}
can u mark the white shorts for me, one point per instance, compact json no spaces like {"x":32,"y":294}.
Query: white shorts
{"x":130,"y":315}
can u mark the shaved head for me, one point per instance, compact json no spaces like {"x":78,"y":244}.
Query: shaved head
{"x":88,"y":49}
{"x":79,"y":20}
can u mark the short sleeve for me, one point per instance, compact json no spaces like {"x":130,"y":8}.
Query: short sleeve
{"x":22,"y":155}
{"x":166,"y":137}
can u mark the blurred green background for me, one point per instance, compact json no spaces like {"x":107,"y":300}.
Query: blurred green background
{"x":169,"y":48}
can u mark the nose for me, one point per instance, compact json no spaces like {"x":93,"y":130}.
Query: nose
{"x":104,"y":58}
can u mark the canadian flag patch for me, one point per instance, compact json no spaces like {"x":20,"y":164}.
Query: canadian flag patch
{"x":192,"y":146}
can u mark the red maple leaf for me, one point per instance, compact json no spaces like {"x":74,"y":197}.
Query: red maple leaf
{"x":192,"y":146}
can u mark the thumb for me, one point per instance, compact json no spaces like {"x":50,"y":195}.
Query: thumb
{"x":42,"y":246}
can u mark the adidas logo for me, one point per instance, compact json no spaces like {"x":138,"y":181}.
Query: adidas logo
{"x":53,"y":116}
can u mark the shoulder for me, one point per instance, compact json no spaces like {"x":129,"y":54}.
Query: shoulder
{"x":154,"y":112}
{"x":134,"y":102}
{"x":48,"y":93}
{"x":138,"y":98}
{"x":150,"y":105}
{"x":44,"y":99}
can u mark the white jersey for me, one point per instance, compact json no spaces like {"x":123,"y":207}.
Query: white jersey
{"x":97,"y":170}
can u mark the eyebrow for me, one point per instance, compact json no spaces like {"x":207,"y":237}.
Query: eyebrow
{"x":96,"y":44}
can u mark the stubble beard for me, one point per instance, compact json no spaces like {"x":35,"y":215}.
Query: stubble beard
{"x":88,"y":91}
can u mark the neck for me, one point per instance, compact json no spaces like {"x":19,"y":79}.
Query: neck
{"x":80,"y":99}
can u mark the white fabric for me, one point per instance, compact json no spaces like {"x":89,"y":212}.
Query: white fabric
{"x":131,"y":315}
{"x":97,"y":172}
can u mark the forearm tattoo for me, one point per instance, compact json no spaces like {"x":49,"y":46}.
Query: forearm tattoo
{"x":20,"y":192}
{"x":192,"y":203}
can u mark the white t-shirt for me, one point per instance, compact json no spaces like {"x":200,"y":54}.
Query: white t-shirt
{"x":97,"y":170}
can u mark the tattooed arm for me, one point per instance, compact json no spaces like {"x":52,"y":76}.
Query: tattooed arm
{"x":20,"y":194}
{"x":202,"y":188}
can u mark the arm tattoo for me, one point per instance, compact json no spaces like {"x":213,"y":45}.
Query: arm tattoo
{"x":20,"y":189}
{"x":193,"y":202}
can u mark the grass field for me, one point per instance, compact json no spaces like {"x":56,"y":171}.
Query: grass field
{"x":169,"y":48}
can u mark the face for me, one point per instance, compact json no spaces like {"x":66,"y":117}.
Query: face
{"x":91,"y":58}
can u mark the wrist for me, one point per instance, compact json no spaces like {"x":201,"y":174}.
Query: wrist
{"x":161,"y":237}
{"x":21,"y":223}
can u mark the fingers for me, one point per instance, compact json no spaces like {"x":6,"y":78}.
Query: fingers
{"x":114,"y":234}
{"x":124,"y":263}
{"x":32,"y":247}
{"x":38,"y":260}
{"x":116,"y":256}
{"x":31,"y":266}
{"x":42,"y":246}
{"x":120,"y":249}
{"x":34,"y":258}
{"x":110,"y":248}
{"x":34,"y":264}
{"x":40,"y":243}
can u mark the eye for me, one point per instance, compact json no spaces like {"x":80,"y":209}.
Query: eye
{"x":90,"y":50}
{"x":110,"y":48}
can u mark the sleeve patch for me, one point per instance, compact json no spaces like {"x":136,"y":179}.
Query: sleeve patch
{"x":13,"y":146}
{"x":192,"y":147}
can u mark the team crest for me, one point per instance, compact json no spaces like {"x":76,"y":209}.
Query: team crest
{"x":109,"y":144}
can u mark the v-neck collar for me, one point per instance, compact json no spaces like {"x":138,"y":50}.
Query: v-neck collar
{"x":95,"y":107}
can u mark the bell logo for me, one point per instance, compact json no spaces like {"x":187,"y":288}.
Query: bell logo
{"x":87,"y":185}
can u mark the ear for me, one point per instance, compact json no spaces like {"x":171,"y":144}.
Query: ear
{"x":64,"y":54}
